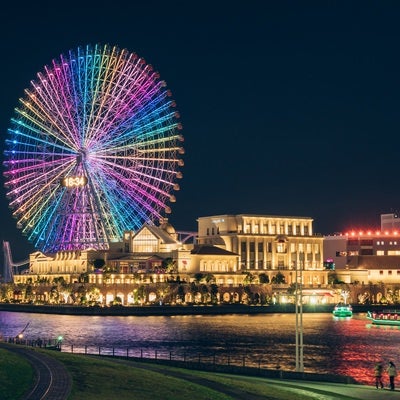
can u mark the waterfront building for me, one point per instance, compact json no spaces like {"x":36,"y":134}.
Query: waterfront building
{"x":390,"y":222}
{"x":365,"y":256}
{"x":244,"y":255}
{"x":153,"y":254}
{"x":271,"y":247}
{"x":237,"y":251}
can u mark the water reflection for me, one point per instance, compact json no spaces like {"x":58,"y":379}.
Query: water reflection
{"x":342,"y":346}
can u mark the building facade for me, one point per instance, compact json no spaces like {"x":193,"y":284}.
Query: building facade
{"x":390,"y":222}
{"x":268,"y":245}
{"x":236,"y":250}
{"x":152,"y":254}
{"x":365,"y":256}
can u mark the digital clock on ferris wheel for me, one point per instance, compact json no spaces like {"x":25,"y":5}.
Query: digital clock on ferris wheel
{"x":74,"y":181}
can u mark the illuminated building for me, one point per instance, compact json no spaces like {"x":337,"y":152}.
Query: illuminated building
{"x":152,"y":255}
{"x":225,"y":248}
{"x":390,"y":222}
{"x":270,"y":245}
{"x":365,"y":256}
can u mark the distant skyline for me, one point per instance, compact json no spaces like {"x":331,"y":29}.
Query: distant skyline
{"x":288,"y":107}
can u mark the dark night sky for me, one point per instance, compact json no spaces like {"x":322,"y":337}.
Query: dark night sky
{"x":288,"y":107}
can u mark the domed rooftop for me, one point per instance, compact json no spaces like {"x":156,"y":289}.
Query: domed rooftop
{"x":167,"y":227}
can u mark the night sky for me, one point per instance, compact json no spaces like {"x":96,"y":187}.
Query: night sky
{"x":288,"y":108}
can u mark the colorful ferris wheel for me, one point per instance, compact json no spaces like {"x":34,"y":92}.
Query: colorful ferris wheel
{"x":94,"y":149}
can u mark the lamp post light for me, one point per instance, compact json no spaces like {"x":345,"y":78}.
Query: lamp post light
{"x":345,"y":295}
{"x":299,"y":315}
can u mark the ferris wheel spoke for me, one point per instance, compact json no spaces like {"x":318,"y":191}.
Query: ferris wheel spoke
{"x":105,"y":68}
{"x":39,"y":128}
{"x":127,"y":186}
{"x":35,"y":211}
{"x":128,"y":95}
{"x":64,"y":103}
{"x":42,"y":108}
{"x":115,"y":206}
{"x":156,"y":176}
{"x":112,"y":209}
{"x":119,"y":108}
{"x":33,"y":198}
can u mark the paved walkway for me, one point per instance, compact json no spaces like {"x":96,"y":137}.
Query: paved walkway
{"x":328,"y":391}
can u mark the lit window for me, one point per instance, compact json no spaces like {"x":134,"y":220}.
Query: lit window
{"x":145,"y":242}
{"x":281,"y":247}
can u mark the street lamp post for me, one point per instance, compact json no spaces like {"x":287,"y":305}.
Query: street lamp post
{"x":299,"y":316}
{"x":345,"y":295}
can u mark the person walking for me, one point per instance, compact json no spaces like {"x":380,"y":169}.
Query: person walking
{"x":392,"y":372}
{"x":378,"y":370}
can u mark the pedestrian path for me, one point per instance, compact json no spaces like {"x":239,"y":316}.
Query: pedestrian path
{"x":328,"y":391}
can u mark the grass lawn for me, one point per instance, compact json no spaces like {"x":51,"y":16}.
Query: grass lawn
{"x":16,"y":375}
{"x":99,"y":378}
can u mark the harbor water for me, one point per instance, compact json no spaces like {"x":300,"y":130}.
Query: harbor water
{"x":345,"y":346}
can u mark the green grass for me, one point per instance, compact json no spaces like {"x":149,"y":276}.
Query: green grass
{"x":95,"y":378}
{"x":100,"y":378}
{"x":16,"y":375}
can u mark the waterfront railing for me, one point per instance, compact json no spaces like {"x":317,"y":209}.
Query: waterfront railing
{"x":231,"y":363}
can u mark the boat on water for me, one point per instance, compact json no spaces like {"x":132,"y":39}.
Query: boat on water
{"x":342,"y":310}
{"x":387,"y":317}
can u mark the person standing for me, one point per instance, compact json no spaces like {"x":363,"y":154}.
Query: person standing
{"x":378,"y":370}
{"x":392,"y":372}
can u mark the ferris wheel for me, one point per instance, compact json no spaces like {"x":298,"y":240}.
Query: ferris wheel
{"x":94,"y":149}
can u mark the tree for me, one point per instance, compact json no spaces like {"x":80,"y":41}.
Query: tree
{"x":250,"y":278}
{"x":204,"y":293}
{"x":169,"y":265}
{"x":214,"y":293}
{"x":334,"y":280}
{"x":209,"y":278}
{"x":198,"y":277}
{"x":84,"y":277}
{"x":117,"y":301}
{"x":98,"y":263}
{"x":279,"y":278}
{"x":141,"y":293}
{"x":181,"y":293}
{"x":263,"y":278}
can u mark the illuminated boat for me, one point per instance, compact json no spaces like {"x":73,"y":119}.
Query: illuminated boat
{"x":342,"y":310}
{"x":388,"y":317}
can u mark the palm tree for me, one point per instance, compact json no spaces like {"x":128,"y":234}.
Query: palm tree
{"x":263,"y":278}
{"x":250,"y":278}
{"x":279,"y":278}
{"x":214,"y":293}
{"x":209,"y":278}
{"x":198,"y":277}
